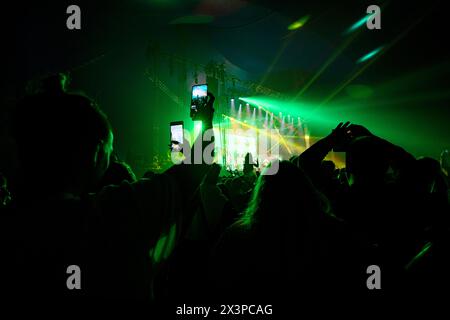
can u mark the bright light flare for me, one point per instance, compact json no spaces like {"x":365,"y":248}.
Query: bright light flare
{"x":298,"y":23}
{"x":369,"y":55}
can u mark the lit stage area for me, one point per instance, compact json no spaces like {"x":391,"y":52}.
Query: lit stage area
{"x":250,"y":128}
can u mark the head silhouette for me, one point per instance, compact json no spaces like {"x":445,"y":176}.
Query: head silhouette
{"x":248,"y":163}
{"x":328,"y":169}
{"x":64,"y":141}
{"x":428,"y":176}
{"x":367,"y":161}
{"x":282,"y":198}
{"x":118,"y":171}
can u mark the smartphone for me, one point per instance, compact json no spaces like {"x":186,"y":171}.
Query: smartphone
{"x":199,"y":98}
{"x":176,"y":136}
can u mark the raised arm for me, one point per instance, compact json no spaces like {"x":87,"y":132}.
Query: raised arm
{"x":312,"y":157}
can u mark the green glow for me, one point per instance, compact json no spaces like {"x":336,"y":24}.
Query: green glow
{"x":273,"y":135}
{"x":370,"y":55}
{"x":299,"y":23}
{"x":274,"y":105}
{"x":359,"y":23}
{"x":197,"y":129}
{"x":422,"y":252}
{"x":359,"y":91}
{"x":238,"y":146}
{"x":164,"y":246}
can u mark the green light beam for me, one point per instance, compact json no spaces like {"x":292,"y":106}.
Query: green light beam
{"x":369,"y":55}
{"x":358,"y":24}
{"x":360,"y":71}
{"x":330,"y":60}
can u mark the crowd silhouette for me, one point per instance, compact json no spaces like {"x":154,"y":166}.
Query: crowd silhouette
{"x":192,"y":235}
